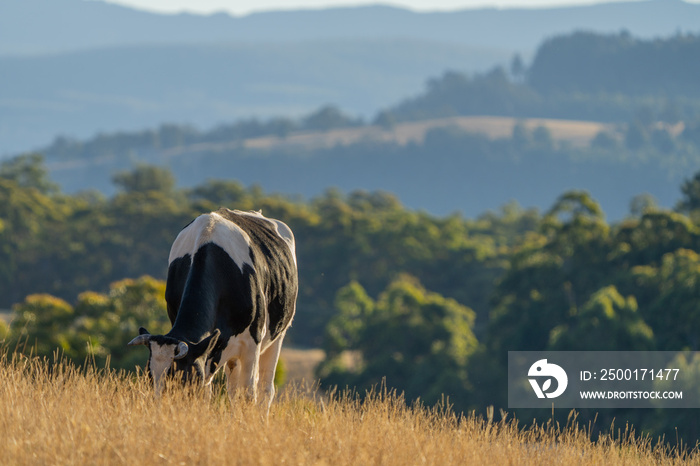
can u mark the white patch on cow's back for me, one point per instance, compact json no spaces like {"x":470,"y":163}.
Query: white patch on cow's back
{"x":281,"y":228}
{"x":213,"y":228}
{"x":185,"y":241}
{"x":230,"y":237}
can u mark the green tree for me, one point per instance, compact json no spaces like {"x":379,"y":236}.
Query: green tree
{"x":643,"y":203}
{"x":221,"y":193}
{"x":550,"y":277}
{"x":645,"y":241}
{"x":418,"y":341}
{"x":354,"y":309}
{"x":41,"y":324}
{"x":111,"y":320}
{"x":27,"y":219}
{"x":99,"y":326}
{"x":607,"y":322}
{"x":690,"y":190}
{"x":672,"y":294}
{"x":145,"y":178}
{"x":28,"y":171}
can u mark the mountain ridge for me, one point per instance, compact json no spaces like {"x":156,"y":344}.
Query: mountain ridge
{"x":70,"y":67}
{"x":122,"y":88}
{"x":65,"y":25}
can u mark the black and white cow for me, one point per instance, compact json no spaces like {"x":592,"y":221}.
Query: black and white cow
{"x":231,"y":296}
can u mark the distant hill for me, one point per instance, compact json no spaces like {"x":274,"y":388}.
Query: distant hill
{"x":589,"y":63}
{"x":468,"y":165}
{"x":74,"y":67}
{"x":41,"y":26}
{"x":467,"y":138}
{"x":577,"y":76}
{"x":128,"y":88}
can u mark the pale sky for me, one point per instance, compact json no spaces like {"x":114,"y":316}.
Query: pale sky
{"x":243,"y":7}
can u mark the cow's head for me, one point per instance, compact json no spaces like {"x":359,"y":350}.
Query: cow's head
{"x":172,"y":357}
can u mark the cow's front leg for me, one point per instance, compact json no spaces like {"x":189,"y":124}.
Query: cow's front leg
{"x":250,"y":364}
{"x":268,"y":366}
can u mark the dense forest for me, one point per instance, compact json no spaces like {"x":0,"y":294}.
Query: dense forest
{"x":617,"y":64}
{"x":429,"y":304}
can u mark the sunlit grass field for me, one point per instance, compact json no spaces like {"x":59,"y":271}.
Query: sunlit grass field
{"x":55,"y":413}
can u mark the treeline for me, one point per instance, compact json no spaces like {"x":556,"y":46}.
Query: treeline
{"x":170,"y":136}
{"x":65,"y":244}
{"x":585,"y":76}
{"x":498,"y":93}
{"x":429,"y":304}
{"x":476,"y":172}
{"x":617,"y":64}
{"x":573,"y":283}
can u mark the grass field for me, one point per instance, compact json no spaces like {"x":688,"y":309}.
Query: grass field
{"x":56,"y":414}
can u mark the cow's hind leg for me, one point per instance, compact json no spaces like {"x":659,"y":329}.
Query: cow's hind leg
{"x":268,"y":366}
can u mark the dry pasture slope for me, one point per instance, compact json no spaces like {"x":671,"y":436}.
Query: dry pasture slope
{"x":574,"y":132}
{"x":56,"y":414}
{"x":577,"y":133}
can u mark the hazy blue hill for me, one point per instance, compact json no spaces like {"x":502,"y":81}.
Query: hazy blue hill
{"x":77,"y":67}
{"x":38,"y":26}
{"x":578,"y":76}
{"x":449,"y":172}
{"x":51,"y":26}
{"x":618,"y":64}
{"x":131,"y":87}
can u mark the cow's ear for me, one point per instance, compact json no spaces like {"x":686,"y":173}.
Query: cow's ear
{"x":206,"y":345}
{"x":143,"y":331}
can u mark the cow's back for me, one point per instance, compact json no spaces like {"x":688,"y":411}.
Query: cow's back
{"x":263,"y":251}
{"x":273,"y":254}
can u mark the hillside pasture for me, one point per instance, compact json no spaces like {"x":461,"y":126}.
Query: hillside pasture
{"x":576,"y":133}
{"x":54,"y":413}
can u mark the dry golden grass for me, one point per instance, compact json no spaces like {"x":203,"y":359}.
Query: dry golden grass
{"x":56,"y":414}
